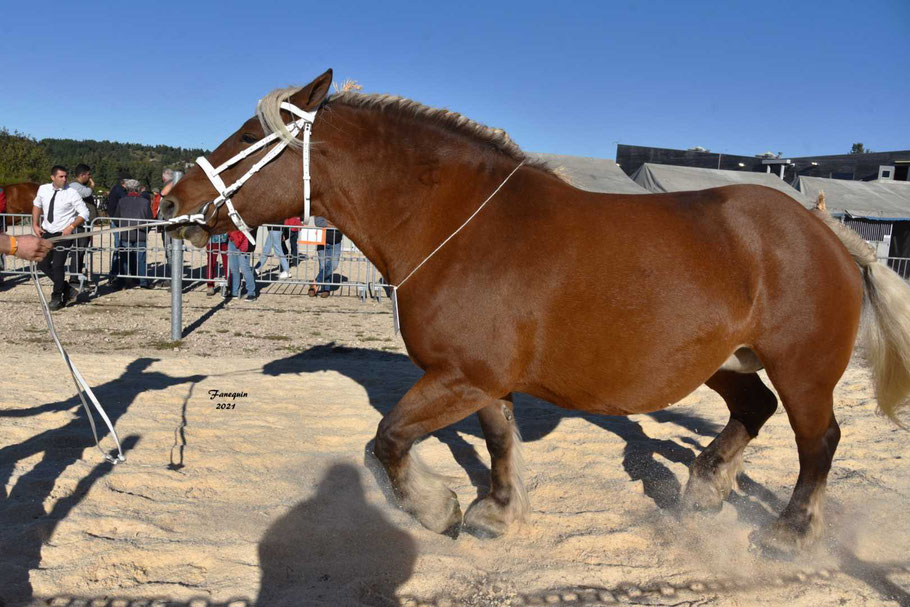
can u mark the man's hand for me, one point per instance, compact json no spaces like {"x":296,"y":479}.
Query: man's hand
{"x":32,"y":248}
{"x":37,"y":230}
{"x":68,"y":230}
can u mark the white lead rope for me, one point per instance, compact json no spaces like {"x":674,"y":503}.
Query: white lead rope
{"x":82,"y":387}
{"x":395,"y":319}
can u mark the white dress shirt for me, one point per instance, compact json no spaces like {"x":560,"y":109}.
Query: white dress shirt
{"x":67,"y":205}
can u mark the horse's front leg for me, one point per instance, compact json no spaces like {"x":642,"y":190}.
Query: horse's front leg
{"x":436,"y":401}
{"x":507,"y":501}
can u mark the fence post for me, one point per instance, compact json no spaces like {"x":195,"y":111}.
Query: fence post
{"x":176,"y":289}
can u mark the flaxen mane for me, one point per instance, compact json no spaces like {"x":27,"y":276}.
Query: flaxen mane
{"x":269,"y":114}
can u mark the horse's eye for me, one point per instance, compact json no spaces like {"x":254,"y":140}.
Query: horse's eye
{"x":249,"y":138}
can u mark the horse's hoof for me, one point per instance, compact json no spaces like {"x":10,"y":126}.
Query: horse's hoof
{"x":782,"y":541}
{"x":485,"y":519}
{"x":443,"y":517}
{"x":701,"y":496}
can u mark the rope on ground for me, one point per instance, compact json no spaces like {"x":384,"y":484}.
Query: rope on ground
{"x":82,"y":387}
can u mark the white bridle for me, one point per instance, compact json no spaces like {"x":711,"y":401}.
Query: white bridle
{"x":304,"y":122}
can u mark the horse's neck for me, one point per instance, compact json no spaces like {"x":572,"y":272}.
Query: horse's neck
{"x":400,"y":206}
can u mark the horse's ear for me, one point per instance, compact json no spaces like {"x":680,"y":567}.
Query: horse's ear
{"x":310,"y":96}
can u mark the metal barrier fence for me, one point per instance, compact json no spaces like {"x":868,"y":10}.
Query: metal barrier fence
{"x":143,"y":255}
{"x":901,"y":265}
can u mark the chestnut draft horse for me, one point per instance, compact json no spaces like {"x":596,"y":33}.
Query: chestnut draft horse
{"x":730,"y":280}
{"x":19,"y":197}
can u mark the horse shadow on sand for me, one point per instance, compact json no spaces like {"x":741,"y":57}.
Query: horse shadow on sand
{"x":386,"y":376}
{"x":24,"y":525}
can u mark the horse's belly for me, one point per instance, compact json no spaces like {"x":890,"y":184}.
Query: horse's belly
{"x":625,"y":382}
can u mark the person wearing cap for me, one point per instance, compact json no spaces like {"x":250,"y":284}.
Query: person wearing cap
{"x":57,"y":211}
{"x":133,"y":209}
{"x":113,"y":197}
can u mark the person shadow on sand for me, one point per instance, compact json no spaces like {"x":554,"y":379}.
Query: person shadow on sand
{"x":334,"y":549}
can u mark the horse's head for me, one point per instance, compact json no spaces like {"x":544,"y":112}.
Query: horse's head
{"x":270,"y":195}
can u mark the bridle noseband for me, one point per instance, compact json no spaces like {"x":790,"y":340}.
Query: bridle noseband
{"x":303,"y":123}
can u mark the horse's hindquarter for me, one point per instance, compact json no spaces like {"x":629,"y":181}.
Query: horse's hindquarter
{"x":611,"y":303}
{"x":20,"y":196}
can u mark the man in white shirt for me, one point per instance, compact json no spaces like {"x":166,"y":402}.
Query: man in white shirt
{"x":63,"y":211}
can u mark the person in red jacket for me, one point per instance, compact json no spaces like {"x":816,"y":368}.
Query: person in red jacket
{"x":216,"y":247}
{"x":293,"y":230}
{"x":239,"y":262}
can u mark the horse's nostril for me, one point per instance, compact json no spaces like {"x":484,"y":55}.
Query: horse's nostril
{"x":167,"y":209}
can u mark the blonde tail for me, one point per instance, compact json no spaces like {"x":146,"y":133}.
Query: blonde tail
{"x":886,"y":337}
{"x":885,"y":328}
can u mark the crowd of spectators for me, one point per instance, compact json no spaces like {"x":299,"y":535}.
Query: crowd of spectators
{"x":63,"y":208}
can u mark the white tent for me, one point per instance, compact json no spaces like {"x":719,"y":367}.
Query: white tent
{"x":671,"y":178}
{"x":591,"y":174}
{"x":879,"y":200}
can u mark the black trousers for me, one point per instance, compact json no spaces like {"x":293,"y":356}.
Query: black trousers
{"x":80,"y":246}
{"x":54,"y":265}
{"x":77,"y":255}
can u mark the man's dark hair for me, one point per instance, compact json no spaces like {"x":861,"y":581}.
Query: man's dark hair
{"x":57,"y":168}
{"x":81,"y":169}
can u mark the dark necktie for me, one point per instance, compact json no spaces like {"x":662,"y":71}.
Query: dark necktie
{"x":50,"y":208}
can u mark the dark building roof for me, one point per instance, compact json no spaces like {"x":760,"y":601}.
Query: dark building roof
{"x":857,"y":167}
{"x":631,"y":157}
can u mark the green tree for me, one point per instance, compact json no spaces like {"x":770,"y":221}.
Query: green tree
{"x":21,"y":158}
{"x":110,"y":158}
{"x":858,"y":148}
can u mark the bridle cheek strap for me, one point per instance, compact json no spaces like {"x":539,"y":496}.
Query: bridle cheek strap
{"x":307,"y":118}
{"x":305,"y":123}
{"x":224,"y":197}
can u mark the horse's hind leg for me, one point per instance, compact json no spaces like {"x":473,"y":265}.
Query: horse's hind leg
{"x":810,"y":409}
{"x":435,"y":401}
{"x":507,"y":501}
{"x":713,"y":473}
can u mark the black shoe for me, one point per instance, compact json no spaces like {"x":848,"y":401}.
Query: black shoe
{"x":56,"y":303}
{"x":70,"y":294}
{"x":145,"y":285}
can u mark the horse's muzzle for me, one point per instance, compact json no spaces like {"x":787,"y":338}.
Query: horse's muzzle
{"x":167,"y":209}
{"x":194,"y":233}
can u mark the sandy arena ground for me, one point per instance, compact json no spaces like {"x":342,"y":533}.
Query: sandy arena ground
{"x":269,"y":502}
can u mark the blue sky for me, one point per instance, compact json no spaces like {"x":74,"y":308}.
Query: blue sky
{"x":800,"y":78}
